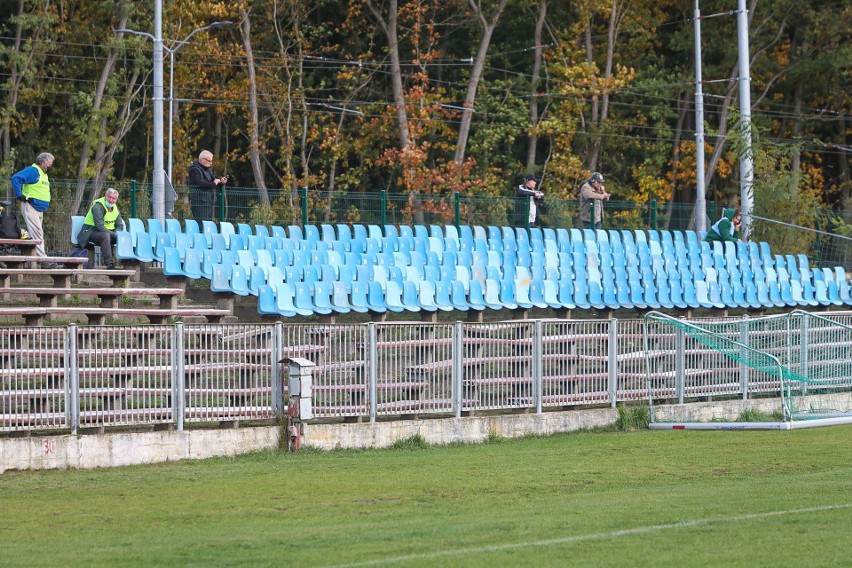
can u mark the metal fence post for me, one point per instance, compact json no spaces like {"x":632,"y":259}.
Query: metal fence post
{"x":744,"y":374}
{"x":133,"y":204}
{"x":818,"y":243}
{"x":221,"y":202}
{"x":680,"y":359}
{"x":277,"y":378}
{"x":72,"y":384}
{"x":373,"y":372}
{"x":536,"y":365}
{"x":457,"y":209}
{"x":303,"y":199}
{"x":804,"y":359}
{"x":458,"y":368}
{"x":178,"y":382}
{"x":384,"y":212}
{"x":612,"y":366}
{"x":653,"y":206}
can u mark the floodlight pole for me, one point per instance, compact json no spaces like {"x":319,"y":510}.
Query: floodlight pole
{"x":747,"y":153}
{"x":700,"y":190}
{"x":158,"y":189}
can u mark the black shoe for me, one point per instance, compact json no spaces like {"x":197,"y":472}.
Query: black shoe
{"x":111,"y":266}
{"x":48,"y":265}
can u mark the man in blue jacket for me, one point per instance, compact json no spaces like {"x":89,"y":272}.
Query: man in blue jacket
{"x":32,"y":189}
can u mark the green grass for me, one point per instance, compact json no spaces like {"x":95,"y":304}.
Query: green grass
{"x":586,"y":499}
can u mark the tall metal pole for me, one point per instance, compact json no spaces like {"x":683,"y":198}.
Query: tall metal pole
{"x":746,"y":156}
{"x":159,"y":186}
{"x":700,"y":192}
{"x":171,"y":107}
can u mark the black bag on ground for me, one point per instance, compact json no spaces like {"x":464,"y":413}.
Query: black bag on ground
{"x":10,"y":228}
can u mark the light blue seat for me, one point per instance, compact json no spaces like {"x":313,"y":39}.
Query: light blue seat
{"x":376,"y":297}
{"x":536,"y":293}
{"x":76,"y":227}
{"x":304,"y":302}
{"x":192,"y":263}
{"x":322,"y":292}
{"x":375,"y":232}
{"x":406,"y":231}
{"x":244,"y":230}
{"x":410,"y":296}
{"x":239,"y":283}
{"x":173,"y":226}
{"x":476,"y":296}
{"x":154,"y":227}
{"x":172,"y":264}
{"x":458,"y":297}
{"x":227,"y":230}
{"x":124,"y":246}
{"x":566,"y":294}
{"x":312,"y":233}
{"x":266,"y":302}
{"x":843,"y":288}
{"x":393,"y":296}
{"x":208,"y":229}
{"x":340,"y":298}
{"x":492,"y":294}
{"x":689,"y":296}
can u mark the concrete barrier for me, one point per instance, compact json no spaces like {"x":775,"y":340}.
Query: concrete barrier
{"x":127,"y":448}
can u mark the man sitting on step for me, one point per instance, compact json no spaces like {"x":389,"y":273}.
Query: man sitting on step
{"x":100,"y":224}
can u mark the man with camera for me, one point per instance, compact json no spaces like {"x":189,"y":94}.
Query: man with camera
{"x":204,"y":186}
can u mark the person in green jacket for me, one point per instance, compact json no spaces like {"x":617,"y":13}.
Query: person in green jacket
{"x":100,"y":225}
{"x":728,"y":228}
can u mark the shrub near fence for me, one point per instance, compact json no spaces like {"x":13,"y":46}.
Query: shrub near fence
{"x":105,"y":376}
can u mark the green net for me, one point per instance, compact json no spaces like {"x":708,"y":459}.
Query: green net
{"x":802,"y":359}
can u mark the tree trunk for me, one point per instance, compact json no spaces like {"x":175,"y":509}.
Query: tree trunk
{"x":254,"y":117}
{"x":389,"y":27}
{"x":97,"y":105}
{"x":532,"y":148}
{"x":615,"y":17}
{"x":487,"y":26}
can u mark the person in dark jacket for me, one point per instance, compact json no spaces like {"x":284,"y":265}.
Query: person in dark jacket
{"x":526,"y":197}
{"x":204,"y":186}
{"x":100,"y":226}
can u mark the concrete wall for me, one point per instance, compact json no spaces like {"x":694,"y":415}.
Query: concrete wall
{"x":119,"y":449}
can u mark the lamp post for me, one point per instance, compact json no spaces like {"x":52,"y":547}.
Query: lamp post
{"x":159,"y":185}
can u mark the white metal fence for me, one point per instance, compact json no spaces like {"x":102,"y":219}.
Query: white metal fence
{"x":73,"y":377}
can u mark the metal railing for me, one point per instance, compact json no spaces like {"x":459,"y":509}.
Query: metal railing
{"x":68,"y":378}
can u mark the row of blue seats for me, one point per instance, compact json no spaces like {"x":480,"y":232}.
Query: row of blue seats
{"x":654,"y":269}
{"x":584,"y":288}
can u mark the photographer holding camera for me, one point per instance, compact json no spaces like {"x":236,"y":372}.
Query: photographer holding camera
{"x":204,"y":186}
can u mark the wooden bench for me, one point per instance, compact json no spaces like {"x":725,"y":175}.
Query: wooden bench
{"x":27,"y":246}
{"x":35,"y":316}
{"x":21,"y":261}
{"x":62,"y":276}
{"x":109,"y":297}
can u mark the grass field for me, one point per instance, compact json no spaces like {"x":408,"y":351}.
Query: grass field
{"x":585,"y":499}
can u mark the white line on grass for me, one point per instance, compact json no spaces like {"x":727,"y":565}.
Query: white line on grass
{"x":582,"y":537}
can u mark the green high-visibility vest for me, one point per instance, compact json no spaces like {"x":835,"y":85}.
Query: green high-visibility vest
{"x":109,"y":217}
{"x":39,"y":190}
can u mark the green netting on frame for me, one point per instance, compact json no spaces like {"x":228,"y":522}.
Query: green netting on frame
{"x":725,"y":367}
